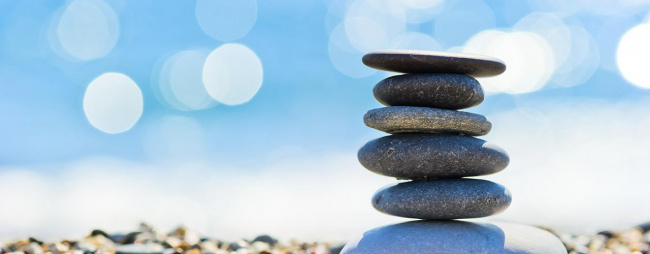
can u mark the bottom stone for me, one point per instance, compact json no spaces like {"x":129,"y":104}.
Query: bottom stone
{"x":455,"y":237}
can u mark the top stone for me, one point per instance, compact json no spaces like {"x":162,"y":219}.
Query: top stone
{"x":417,"y":61}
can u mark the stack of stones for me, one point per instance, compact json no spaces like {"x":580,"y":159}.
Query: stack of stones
{"x":433,"y":147}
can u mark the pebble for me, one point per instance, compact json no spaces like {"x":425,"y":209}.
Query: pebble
{"x":100,"y":232}
{"x":443,"y":199}
{"x":421,"y":156}
{"x":448,"y":91}
{"x":418,"y":61}
{"x":266,"y":239}
{"x":400,"y":119}
{"x":420,"y":237}
{"x":126,"y":239}
{"x":149,"y":248}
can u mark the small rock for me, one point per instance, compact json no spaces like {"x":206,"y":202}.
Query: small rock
{"x":234,"y":246}
{"x":149,"y":248}
{"x":100,"y":232}
{"x":267,"y":239}
{"x":443,"y":199}
{"x":336,"y":249}
{"x":33,"y":248}
{"x":34,"y":240}
{"x":417,"y":61}
{"x":146,"y":237}
{"x":259,"y":246}
{"x":645,"y":227}
{"x":57,"y":248}
{"x":171,"y":242}
{"x":144,"y":227}
{"x":421,"y":156}
{"x":447,"y":91}
{"x":86,"y":246}
{"x":128,"y":238}
{"x":209,"y":246}
{"x":400,"y":119}
{"x":606,"y":233}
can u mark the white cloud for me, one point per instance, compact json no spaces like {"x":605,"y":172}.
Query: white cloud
{"x":576,"y":165}
{"x":322,"y":198}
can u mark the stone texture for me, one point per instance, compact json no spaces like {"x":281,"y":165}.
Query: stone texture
{"x":443,"y":199}
{"x":448,"y":91}
{"x":426,"y":120}
{"x":460,"y":237}
{"x":429,"y":156}
{"x":417,"y":61}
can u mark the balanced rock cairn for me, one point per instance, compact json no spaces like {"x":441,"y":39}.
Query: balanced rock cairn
{"x":432,"y":145}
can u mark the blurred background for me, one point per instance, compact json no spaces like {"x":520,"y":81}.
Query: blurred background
{"x":238,"y":118}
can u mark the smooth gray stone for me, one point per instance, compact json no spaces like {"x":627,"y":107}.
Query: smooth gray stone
{"x":422,"y":156}
{"x":458,"y":237}
{"x":443,"y":199}
{"x":448,"y":91}
{"x":419,"y":61}
{"x":400,"y":119}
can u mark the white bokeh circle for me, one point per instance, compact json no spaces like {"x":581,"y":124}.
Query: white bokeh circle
{"x":345,"y":58}
{"x":113,"y":103}
{"x":554,"y":31}
{"x":633,"y":56}
{"x":226,"y":20}
{"x":232,"y":74}
{"x":180,"y":81}
{"x":369,"y":28}
{"x":528,"y":57}
{"x":86,"y":30}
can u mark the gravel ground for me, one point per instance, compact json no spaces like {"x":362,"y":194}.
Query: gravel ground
{"x":635,"y":240}
{"x":185,"y":241}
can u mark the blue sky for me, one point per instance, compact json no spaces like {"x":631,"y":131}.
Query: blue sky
{"x":314,"y":89}
{"x":304,"y":101}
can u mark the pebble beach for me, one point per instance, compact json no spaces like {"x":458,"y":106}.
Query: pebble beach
{"x":146,"y":240}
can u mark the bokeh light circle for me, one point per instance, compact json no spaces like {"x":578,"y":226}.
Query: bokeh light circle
{"x":113,"y":103}
{"x":582,"y":62}
{"x":552,"y":29}
{"x":368,"y":28}
{"x":633,"y":56}
{"x":226,"y":20}
{"x":345,"y":58}
{"x":180,"y":81}
{"x":87,"y":29}
{"x":232,"y":74}
{"x":528,"y":57}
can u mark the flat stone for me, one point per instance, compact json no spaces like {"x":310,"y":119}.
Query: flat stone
{"x":443,"y":199}
{"x":420,"y":237}
{"x":400,"y":119}
{"x":418,"y":61}
{"x":421,"y":156}
{"x":448,"y":91}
